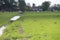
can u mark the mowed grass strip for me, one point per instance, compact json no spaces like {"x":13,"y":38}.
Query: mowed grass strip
{"x":34,"y":27}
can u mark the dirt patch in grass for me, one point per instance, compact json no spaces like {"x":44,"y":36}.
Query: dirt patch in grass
{"x":21,"y":30}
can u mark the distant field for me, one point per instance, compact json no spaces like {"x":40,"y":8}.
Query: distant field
{"x":34,"y":26}
{"x":5,"y":17}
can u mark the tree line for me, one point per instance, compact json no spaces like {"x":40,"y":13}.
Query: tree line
{"x":12,"y":5}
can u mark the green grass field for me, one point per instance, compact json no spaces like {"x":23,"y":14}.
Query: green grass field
{"x":34,"y":26}
{"x":5,"y":17}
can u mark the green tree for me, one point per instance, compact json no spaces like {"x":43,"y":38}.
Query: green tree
{"x":9,"y":4}
{"x":0,"y":4}
{"x":45,"y":5}
{"x":22,"y":5}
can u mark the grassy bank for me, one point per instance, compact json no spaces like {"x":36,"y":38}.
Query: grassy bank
{"x":6,"y":16}
{"x":34,"y":26}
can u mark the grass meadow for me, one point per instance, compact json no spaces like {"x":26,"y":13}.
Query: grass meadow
{"x":32,"y":26}
{"x":5,"y":17}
